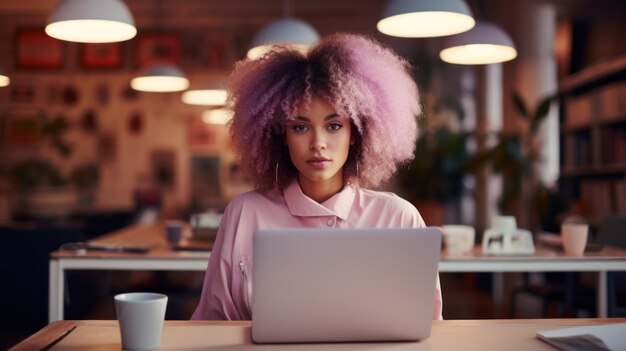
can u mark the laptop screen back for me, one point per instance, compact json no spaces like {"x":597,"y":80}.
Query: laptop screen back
{"x":333,"y":285}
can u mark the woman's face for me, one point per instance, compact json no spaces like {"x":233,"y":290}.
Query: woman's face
{"x":319,"y":141}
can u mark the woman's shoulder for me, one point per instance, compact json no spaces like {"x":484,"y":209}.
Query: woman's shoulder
{"x":391,"y":206}
{"x":253,"y":198}
{"x":387,"y":199}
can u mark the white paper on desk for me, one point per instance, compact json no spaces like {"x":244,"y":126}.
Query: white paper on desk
{"x":613,"y":335}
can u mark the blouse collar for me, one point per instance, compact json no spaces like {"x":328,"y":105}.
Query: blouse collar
{"x":301,"y":205}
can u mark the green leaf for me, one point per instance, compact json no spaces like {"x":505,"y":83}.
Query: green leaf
{"x":520,"y":105}
{"x":541,"y":112}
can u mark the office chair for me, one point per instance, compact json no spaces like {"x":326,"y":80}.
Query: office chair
{"x":612,"y":233}
{"x":561,"y":290}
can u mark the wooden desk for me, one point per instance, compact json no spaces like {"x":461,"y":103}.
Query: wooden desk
{"x":484,"y":335}
{"x":162,"y":257}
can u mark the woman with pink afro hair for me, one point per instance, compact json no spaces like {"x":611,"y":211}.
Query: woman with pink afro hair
{"x":368,"y":83}
{"x":312,"y":130}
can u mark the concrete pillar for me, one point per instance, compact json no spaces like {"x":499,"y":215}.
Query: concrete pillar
{"x":494,"y":121}
{"x":535,"y":75}
{"x":489,"y":102}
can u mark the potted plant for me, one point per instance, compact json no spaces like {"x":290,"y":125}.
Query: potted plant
{"x":433,"y":180}
{"x":85,"y":177}
{"x":435,"y":176}
{"x":516,"y":156}
{"x":42,"y":190}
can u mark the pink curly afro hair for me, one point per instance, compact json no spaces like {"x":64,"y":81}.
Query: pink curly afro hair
{"x":362,"y":79}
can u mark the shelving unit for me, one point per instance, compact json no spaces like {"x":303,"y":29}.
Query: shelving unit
{"x":593,"y":140}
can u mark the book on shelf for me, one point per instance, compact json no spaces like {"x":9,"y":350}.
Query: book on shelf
{"x":599,"y":198}
{"x":611,"y":101}
{"x":581,"y":150}
{"x":613,"y":143}
{"x":579,"y":110}
{"x":620,"y":145}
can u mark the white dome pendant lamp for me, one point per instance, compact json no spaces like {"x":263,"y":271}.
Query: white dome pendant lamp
{"x":91,"y":21}
{"x":4,"y":79}
{"x":218,"y":116}
{"x":161,"y":78}
{"x":288,"y":31}
{"x":486,"y":43}
{"x":425,"y":18}
{"x":205,"y":97}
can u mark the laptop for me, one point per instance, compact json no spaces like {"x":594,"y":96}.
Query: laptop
{"x":344,"y":285}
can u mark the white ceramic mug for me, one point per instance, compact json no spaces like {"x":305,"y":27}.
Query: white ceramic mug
{"x":574,"y":236}
{"x":141,"y":317}
{"x":458,"y":239}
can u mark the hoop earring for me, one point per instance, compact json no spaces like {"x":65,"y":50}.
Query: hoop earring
{"x":356,"y":162}
{"x":276,"y":174}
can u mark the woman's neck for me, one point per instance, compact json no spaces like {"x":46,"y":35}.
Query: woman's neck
{"x":320,"y":191}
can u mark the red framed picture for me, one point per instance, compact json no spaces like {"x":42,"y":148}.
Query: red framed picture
{"x":200,"y":134}
{"x":164,"y":167}
{"x":161,"y":47}
{"x":34,"y":49}
{"x":101,"y":55}
{"x":21,"y":128}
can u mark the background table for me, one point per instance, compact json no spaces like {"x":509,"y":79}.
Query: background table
{"x":609,"y":259}
{"x":484,"y":335}
{"x":163,"y":258}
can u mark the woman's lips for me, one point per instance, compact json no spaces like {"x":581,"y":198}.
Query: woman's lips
{"x":318,"y":163}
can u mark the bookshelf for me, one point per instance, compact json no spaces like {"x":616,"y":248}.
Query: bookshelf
{"x":593,"y":140}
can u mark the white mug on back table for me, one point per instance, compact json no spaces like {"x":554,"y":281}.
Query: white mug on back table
{"x":458,"y":239}
{"x":574,"y":232}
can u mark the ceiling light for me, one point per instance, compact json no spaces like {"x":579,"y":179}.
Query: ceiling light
{"x":205,"y":97}
{"x":161,"y":78}
{"x":4,"y":79}
{"x":292,"y":32}
{"x":425,"y":18}
{"x":486,"y":43}
{"x":218,"y":116}
{"x":91,"y":21}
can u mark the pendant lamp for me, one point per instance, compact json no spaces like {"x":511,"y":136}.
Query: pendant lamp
{"x":161,"y":78}
{"x":91,"y":21}
{"x":205,"y":97}
{"x":218,"y":116}
{"x":287,"y":31}
{"x":4,"y":79}
{"x":425,"y":18}
{"x":486,"y":43}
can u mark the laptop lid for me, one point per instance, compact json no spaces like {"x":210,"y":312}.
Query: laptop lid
{"x":336,"y":285}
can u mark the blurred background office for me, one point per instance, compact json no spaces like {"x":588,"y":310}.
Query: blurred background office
{"x":85,"y":149}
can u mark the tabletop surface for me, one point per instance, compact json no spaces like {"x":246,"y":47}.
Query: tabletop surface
{"x":221,"y":335}
{"x":150,"y":236}
{"x":153,"y":236}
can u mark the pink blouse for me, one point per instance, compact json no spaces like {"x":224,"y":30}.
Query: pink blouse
{"x":227,"y":287}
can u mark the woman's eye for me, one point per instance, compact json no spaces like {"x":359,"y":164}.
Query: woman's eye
{"x":298,"y":128}
{"x":334,"y":126}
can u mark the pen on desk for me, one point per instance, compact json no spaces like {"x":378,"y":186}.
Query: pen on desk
{"x":103,"y":247}
{"x":57,"y":340}
{"x":118,"y":248}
